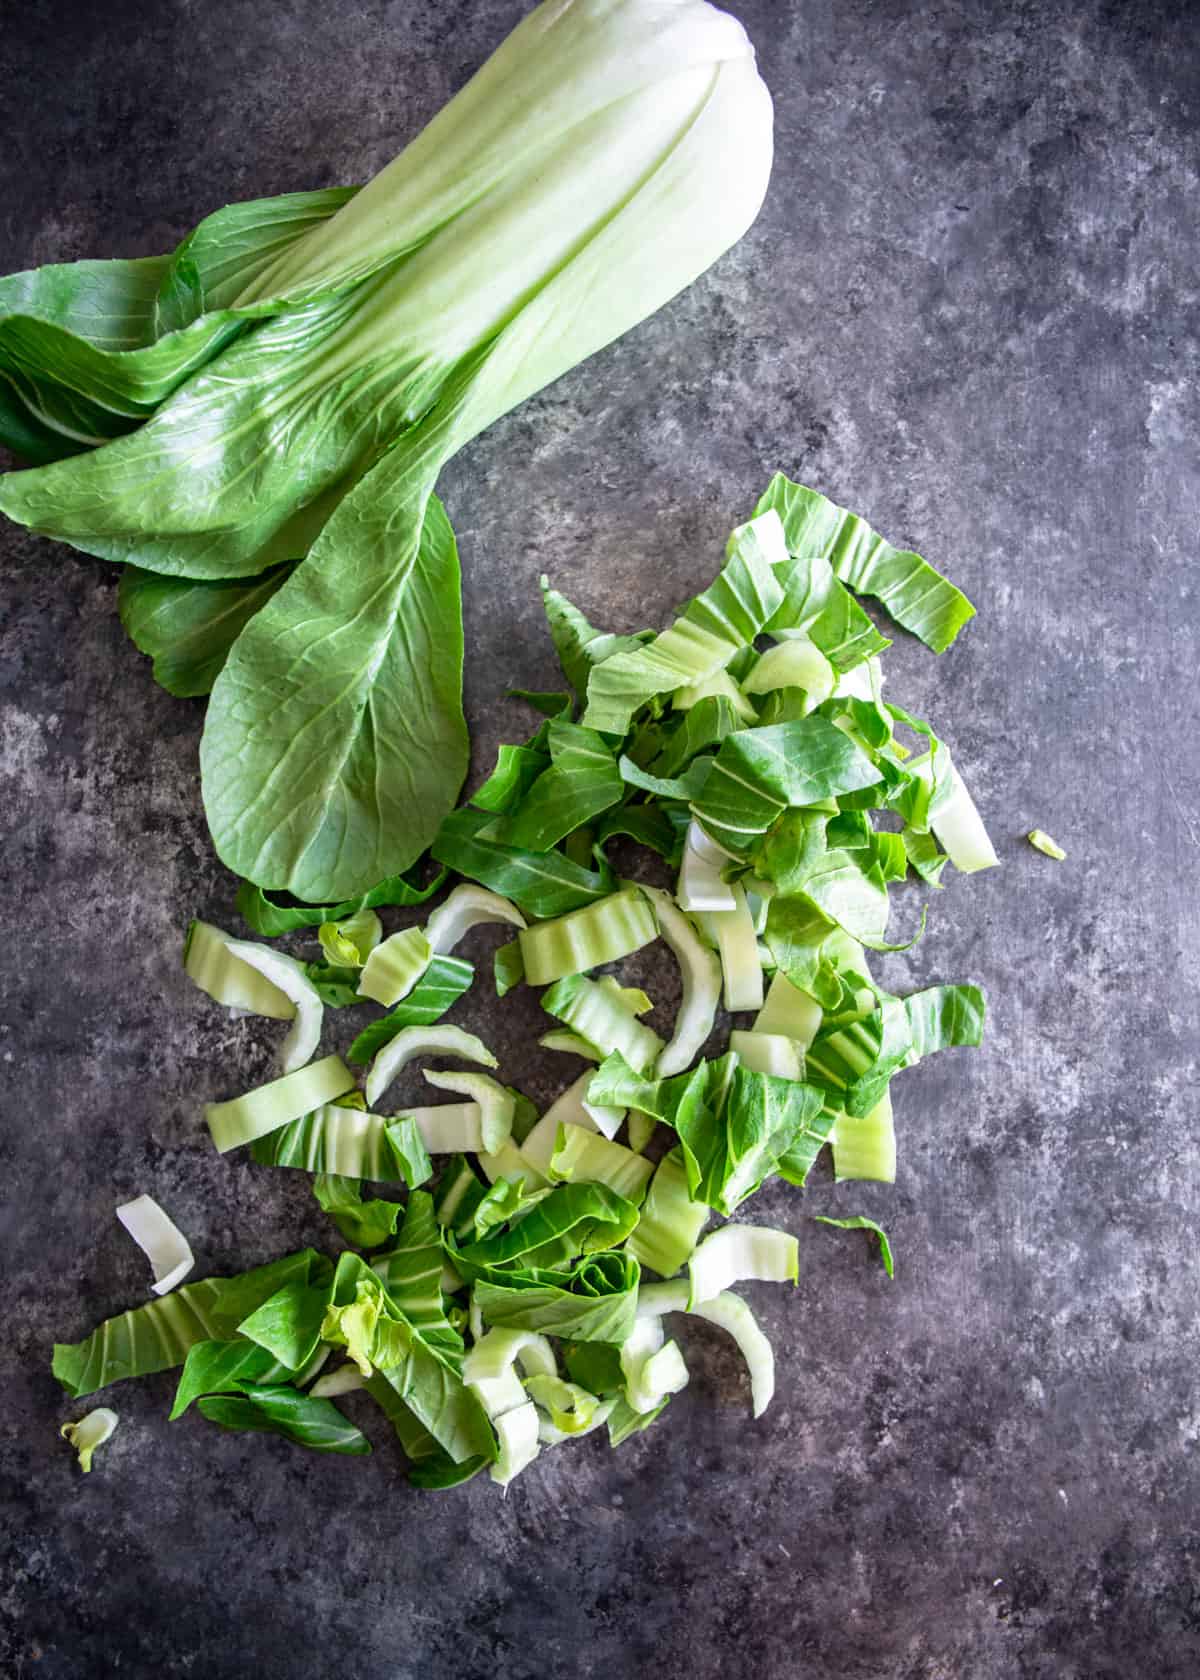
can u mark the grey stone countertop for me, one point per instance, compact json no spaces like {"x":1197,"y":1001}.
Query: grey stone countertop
{"x":969,"y":309}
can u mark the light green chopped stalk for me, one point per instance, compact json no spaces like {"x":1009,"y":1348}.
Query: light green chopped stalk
{"x":517,"y":1434}
{"x":722,"y":686}
{"x":789,"y":1011}
{"x":570,"y":1044}
{"x":288,"y":976}
{"x":348,"y":944}
{"x":630,"y":998}
{"x":160,"y":1240}
{"x":795,"y":662}
{"x":1041,"y":840}
{"x":958,"y":829}
{"x":89,"y":1433}
{"x":590,"y":1158}
{"x":508,"y":967}
{"x":671,"y":1222}
{"x":768,"y":1053}
{"x":489,"y":1365}
{"x":741,"y":1254}
{"x":602,"y":932}
{"x":393,"y":968}
{"x":345,"y":1380}
{"x":570,"y":1109}
{"x":488,"y":1371}
{"x":701,"y":975}
{"x":497,"y":1105}
{"x":602,"y":1017}
{"x":652,"y":1367}
{"x":866,"y":1147}
{"x":468,"y":906}
{"x":641,"y":1129}
{"x":730,"y":1313}
{"x":265,"y":1109}
{"x":412,"y":1042}
{"x":569,"y":1411}
{"x":701,"y":885}
{"x":738,"y":948}
{"x":449,"y":1128}
{"x":209,"y":963}
{"x":512,"y":1162}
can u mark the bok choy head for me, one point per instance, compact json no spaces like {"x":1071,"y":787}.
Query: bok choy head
{"x":606,"y":155}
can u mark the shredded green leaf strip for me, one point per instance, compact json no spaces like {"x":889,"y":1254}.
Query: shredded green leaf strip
{"x":861,"y":1223}
{"x":917,"y":597}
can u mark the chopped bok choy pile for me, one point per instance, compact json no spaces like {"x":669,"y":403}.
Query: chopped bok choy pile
{"x":527,"y":1277}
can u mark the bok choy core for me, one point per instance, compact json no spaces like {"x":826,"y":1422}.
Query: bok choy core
{"x":302,"y":371}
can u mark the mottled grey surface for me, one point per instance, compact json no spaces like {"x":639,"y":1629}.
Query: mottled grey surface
{"x":970,"y":309}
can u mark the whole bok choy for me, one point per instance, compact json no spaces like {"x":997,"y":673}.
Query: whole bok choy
{"x":289,"y":384}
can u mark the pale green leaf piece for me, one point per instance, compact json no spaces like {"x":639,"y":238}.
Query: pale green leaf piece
{"x":915,"y":595}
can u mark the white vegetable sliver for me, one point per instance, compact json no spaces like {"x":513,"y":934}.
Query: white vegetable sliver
{"x":467,"y":907}
{"x":738,"y":946}
{"x":411,"y":1042}
{"x":700,"y":885}
{"x":160,"y":1240}
{"x":729,"y":1312}
{"x":288,"y":975}
{"x":701,"y":973}
{"x":772,"y":1053}
{"x":740,"y":1254}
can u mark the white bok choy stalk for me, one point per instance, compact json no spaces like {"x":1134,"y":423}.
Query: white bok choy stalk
{"x":606,"y":155}
{"x":160,"y":1240}
{"x":730,"y":1313}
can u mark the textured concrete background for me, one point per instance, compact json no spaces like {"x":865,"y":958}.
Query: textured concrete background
{"x":970,"y":310}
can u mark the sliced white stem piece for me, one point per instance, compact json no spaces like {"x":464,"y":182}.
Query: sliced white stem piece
{"x":789,"y":1011}
{"x":344,"y":1380}
{"x":411,"y":1042}
{"x":288,"y":976}
{"x":768,"y":1053}
{"x":701,"y":974}
{"x":730,"y":1313}
{"x":160,"y":1240}
{"x":741,"y":1254}
{"x":210,"y":964}
{"x":738,"y":947}
{"x":89,"y":1433}
{"x":393,"y":968}
{"x":701,"y":886}
{"x":497,"y":1105}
